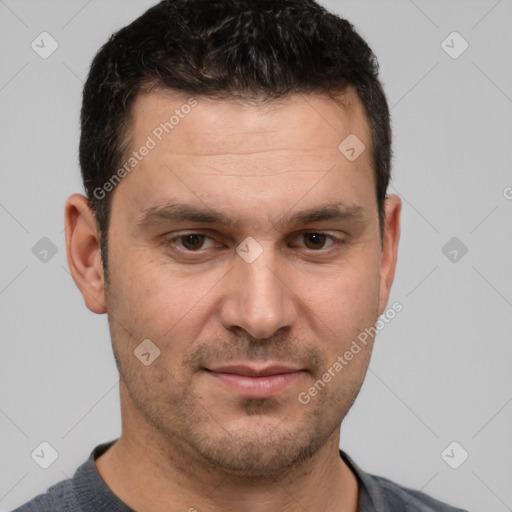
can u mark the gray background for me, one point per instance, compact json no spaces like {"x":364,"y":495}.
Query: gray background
{"x":440,"y":371}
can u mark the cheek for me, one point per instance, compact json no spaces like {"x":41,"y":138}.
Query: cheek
{"x":156,"y":302}
{"x":345,"y":301}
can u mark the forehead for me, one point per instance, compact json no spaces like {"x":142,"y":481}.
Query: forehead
{"x":245,"y":155}
{"x":213,"y":127}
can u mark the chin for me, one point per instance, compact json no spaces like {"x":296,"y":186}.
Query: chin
{"x":258,"y":448}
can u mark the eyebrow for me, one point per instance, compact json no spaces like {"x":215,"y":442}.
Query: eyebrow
{"x":176,"y":212}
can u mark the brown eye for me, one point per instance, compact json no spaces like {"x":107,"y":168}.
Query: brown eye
{"x":192,"y":242}
{"x":314,"y":240}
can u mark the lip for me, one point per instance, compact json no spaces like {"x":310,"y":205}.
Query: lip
{"x":256,"y":382}
{"x":254,"y":371}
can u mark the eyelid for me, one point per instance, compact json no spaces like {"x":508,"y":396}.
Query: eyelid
{"x":334,"y":239}
{"x":176,"y":237}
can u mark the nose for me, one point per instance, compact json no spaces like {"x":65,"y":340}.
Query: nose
{"x":258,"y":297}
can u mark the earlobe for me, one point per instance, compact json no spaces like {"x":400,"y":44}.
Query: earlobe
{"x":83,"y":252}
{"x":391,"y":238}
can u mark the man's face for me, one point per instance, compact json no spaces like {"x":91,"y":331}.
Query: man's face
{"x":295,"y":295}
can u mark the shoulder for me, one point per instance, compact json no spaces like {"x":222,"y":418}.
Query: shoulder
{"x":84,"y":492}
{"x":398,"y":497}
{"x":377,"y":493}
{"x":58,"y":497}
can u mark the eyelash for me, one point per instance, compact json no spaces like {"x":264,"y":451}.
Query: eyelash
{"x":174,"y":241}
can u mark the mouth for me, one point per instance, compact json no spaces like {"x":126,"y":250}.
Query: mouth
{"x":251,"y":381}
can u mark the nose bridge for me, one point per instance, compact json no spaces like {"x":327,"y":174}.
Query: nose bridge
{"x":257,"y":300}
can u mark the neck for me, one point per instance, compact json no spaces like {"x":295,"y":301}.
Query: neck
{"x":150,"y":473}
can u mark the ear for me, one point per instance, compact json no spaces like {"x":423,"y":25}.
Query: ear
{"x":83,"y":252}
{"x":391,"y":236}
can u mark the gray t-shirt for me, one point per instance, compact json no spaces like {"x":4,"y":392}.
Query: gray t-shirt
{"x":87,"y":492}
